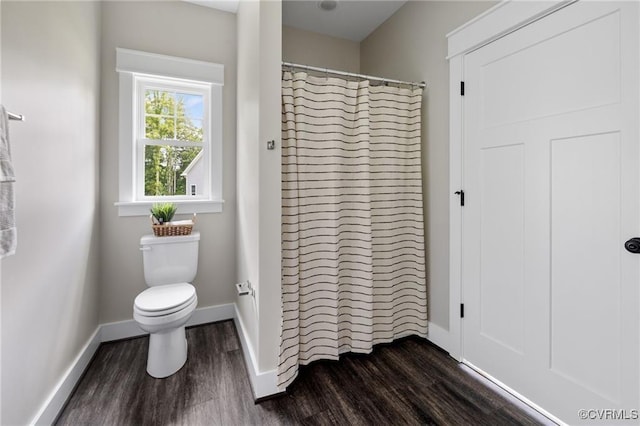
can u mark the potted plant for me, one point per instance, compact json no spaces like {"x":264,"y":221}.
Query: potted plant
{"x":163,"y":212}
{"x":161,"y":215}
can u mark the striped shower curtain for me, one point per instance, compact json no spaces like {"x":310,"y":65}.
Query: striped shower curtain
{"x":352,"y":225}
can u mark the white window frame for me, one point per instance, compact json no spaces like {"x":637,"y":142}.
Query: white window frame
{"x":138,"y":70}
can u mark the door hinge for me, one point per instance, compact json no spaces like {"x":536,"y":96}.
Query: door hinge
{"x":462,"y":310}
{"x":461,"y":194}
{"x":462,"y":88}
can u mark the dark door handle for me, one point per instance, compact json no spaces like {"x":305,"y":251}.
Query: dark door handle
{"x":633,"y":245}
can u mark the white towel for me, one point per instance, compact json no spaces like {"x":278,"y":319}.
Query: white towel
{"x":8,"y":231}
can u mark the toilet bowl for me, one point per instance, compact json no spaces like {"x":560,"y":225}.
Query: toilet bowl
{"x":164,"y":308}
{"x":163,"y":311}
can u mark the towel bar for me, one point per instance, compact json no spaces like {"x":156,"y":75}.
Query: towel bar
{"x":18,"y":117}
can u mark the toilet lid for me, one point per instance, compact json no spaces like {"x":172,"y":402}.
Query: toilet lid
{"x":165,"y":297}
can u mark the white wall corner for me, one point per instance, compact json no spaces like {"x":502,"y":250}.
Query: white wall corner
{"x":438,"y":336}
{"x":263,"y":383}
{"x":63,"y":389}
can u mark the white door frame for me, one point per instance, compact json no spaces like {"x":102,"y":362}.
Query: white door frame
{"x":496,"y":22}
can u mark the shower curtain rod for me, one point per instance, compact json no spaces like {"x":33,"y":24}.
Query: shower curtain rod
{"x":422,"y":84}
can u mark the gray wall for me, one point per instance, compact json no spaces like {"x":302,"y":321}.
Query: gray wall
{"x":319,"y":50}
{"x":411,"y":45}
{"x":50,"y":73}
{"x":179,"y":29}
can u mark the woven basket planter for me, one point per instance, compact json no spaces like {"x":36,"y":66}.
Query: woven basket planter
{"x":173,"y":229}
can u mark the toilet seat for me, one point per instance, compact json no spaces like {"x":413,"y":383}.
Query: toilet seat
{"x":164,"y":300}
{"x":167,"y":322}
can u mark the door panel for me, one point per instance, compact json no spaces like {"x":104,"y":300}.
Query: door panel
{"x":552,"y":193}
{"x":585,"y":261}
{"x":502,"y":240}
{"x":559,"y":59}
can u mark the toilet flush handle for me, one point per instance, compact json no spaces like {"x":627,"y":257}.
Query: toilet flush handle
{"x":145,"y":248}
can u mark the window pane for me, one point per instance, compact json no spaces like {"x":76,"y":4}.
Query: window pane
{"x":189,"y":130}
{"x":159,"y":102}
{"x":160,"y":127}
{"x":172,"y":170}
{"x":191,"y":106}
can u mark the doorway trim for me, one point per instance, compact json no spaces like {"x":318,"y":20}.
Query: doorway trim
{"x":502,"y":19}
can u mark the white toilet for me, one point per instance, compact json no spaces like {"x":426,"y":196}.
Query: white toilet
{"x":170,"y":265}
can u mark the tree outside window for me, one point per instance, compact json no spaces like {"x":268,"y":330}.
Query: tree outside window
{"x":172,"y":117}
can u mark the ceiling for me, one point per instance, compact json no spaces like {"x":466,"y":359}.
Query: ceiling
{"x":351,"y":19}
{"x":226,"y":5}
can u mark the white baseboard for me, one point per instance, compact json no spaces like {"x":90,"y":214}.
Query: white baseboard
{"x":212,"y":314}
{"x":531,"y":408}
{"x":266,"y":384}
{"x":263,"y":383}
{"x":106,"y":333}
{"x":120,"y":330}
{"x":129,"y":328}
{"x":58,"y":397}
{"x":439,"y":336}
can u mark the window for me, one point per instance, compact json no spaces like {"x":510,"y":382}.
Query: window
{"x":170,"y":133}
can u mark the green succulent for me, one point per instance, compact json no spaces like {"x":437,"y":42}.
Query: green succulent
{"x":163,"y":212}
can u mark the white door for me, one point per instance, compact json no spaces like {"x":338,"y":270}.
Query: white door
{"x":551,"y":158}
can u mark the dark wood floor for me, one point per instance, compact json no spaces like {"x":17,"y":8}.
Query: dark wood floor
{"x":407,"y":382}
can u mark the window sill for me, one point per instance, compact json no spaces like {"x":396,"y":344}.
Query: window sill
{"x":141,"y":208}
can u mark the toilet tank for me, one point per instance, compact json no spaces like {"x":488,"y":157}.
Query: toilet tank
{"x":169,"y":260}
